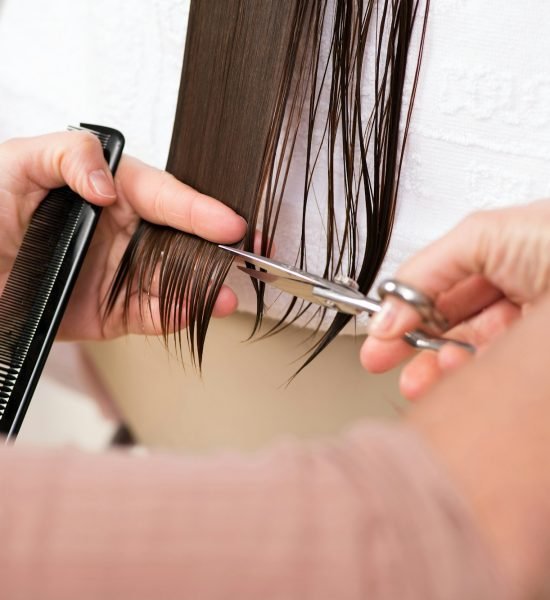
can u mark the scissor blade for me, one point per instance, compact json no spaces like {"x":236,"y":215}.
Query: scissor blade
{"x":328,"y":294}
{"x":297,"y":288}
{"x":301,"y":284}
{"x":275,"y":267}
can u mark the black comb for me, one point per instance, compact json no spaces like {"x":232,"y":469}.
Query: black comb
{"x":39,"y":286}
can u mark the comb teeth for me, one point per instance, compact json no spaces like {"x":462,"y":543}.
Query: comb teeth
{"x":39,"y":285}
{"x":8,"y":376}
{"x":31,"y":280}
{"x":103,"y":137}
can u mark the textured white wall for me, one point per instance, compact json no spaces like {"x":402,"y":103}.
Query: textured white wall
{"x":112,"y":62}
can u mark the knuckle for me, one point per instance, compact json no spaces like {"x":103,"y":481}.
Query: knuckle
{"x":70,"y":158}
{"x":482,"y":233}
{"x":11,"y":144}
{"x":195,"y":199}
{"x":11,"y":149}
{"x":87,"y":145}
{"x":185,"y":201}
{"x":473,"y":231}
{"x":475,"y":220}
{"x":159,"y":200}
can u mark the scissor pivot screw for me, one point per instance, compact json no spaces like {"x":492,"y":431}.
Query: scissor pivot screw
{"x":347,"y":281}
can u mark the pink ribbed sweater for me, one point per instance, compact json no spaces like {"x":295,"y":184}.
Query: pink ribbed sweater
{"x":368,"y":515}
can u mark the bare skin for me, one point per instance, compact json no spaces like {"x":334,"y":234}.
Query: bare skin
{"x":483,"y":275}
{"x":488,"y":422}
{"x":31,"y":167}
{"x":487,"y":416}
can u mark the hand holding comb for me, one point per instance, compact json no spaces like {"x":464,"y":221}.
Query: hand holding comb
{"x":39,"y":286}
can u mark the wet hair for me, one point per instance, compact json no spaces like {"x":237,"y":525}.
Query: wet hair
{"x":258,"y":78}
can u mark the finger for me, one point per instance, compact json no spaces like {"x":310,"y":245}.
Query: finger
{"x":160,"y":198}
{"x":226,"y":303}
{"x":74,"y":158}
{"x":379,"y":355}
{"x":452,"y":357}
{"x":437,"y":269}
{"x":419,"y":375}
{"x":484,"y":327}
{"x":467,"y":298}
{"x":381,"y":350}
{"x":428,"y":367}
{"x":258,"y":245}
{"x":450,"y":259}
{"x":394,"y":319}
{"x":144,"y":319}
{"x":463,"y":300}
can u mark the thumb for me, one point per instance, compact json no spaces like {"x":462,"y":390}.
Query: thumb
{"x":450,"y":264}
{"x":71,"y":158}
{"x":452,"y":258}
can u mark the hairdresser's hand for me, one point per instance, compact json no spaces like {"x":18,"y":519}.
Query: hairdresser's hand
{"x":482,"y":275}
{"x":30,"y":167}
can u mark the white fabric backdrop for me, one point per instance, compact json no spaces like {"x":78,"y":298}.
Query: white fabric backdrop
{"x":98,"y":60}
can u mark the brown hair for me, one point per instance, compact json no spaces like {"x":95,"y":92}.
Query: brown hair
{"x":253,"y":78}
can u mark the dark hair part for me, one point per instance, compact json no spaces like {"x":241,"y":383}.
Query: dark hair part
{"x":253,"y":78}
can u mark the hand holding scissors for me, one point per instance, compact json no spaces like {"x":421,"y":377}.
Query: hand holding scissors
{"x":343,"y":295}
{"x":484,"y":275}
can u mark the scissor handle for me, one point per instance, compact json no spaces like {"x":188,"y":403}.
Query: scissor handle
{"x":418,"y":339}
{"x":421,"y":303}
{"x":431,"y":317}
{"x":352,"y":302}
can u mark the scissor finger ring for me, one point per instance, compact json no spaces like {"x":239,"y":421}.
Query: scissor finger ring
{"x":422,"y":303}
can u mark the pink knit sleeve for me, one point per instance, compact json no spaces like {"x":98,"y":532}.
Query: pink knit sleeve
{"x":370,"y":515}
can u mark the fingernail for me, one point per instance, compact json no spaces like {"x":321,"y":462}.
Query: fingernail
{"x":382,"y":320}
{"x":102,"y":184}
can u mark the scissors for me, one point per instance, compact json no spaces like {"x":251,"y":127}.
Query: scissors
{"x":343,"y":295}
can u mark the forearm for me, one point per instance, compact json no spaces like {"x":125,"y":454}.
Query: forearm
{"x":369,"y":515}
{"x":489,"y":423}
